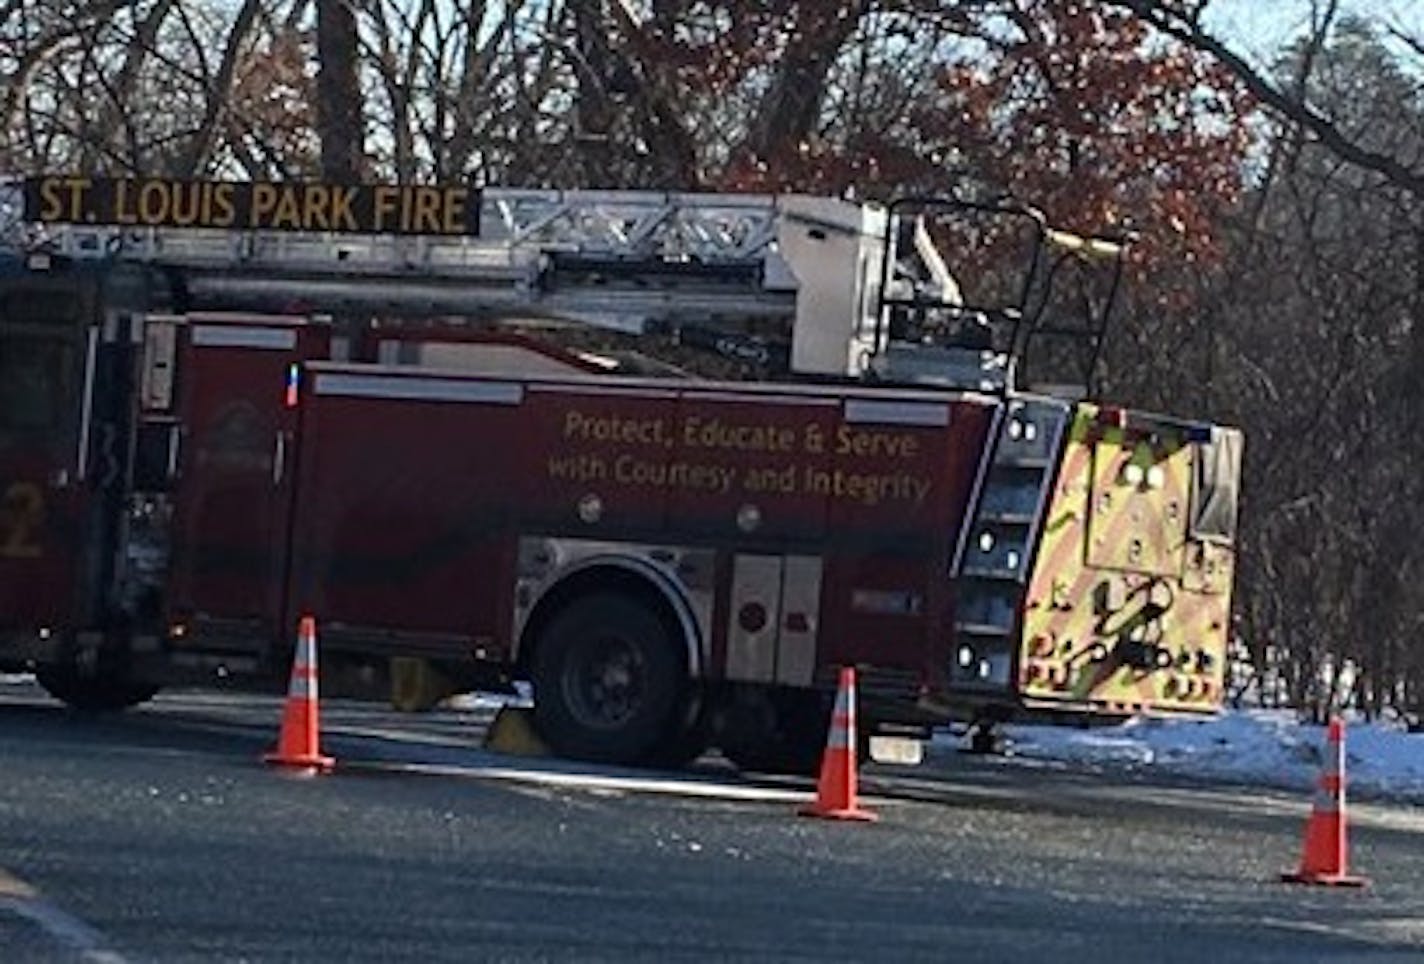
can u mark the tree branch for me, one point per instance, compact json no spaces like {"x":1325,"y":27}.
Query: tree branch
{"x":1162,"y":15}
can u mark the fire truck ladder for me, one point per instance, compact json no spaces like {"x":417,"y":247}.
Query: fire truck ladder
{"x":612,"y":258}
{"x":992,"y":563}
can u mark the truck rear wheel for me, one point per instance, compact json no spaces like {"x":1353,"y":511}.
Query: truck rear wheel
{"x":688,"y":736}
{"x":98,"y":694}
{"x":607,"y":680}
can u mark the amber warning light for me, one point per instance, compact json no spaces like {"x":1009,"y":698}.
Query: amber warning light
{"x":259,"y":205}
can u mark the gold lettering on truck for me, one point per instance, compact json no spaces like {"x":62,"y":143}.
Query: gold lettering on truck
{"x":262,"y":205}
{"x":453,"y":221}
{"x":316,"y":209}
{"x":342,"y":216}
{"x":761,"y":458}
{"x":264,"y":199}
{"x":224,"y":211}
{"x":52,"y":202}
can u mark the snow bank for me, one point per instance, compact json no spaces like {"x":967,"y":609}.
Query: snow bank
{"x":1258,"y":747}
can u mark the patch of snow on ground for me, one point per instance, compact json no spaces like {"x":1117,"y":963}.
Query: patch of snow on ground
{"x":1256,"y":747}
{"x":523,"y":696}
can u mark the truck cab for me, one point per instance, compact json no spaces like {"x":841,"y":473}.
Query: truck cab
{"x":44,"y":347}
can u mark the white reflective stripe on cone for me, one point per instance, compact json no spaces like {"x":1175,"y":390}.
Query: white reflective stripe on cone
{"x":1324,"y":801}
{"x":840,"y":735}
{"x":1335,"y":760}
{"x":303,"y":682}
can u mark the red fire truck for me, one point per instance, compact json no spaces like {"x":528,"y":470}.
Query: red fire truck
{"x":231,"y":405}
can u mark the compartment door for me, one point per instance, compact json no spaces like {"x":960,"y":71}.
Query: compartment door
{"x":232,"y":510}
{"x":775,"y":612}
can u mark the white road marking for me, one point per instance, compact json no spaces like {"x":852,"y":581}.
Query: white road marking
{"x":602,"y":782}
{"x":1269,"y":801}
{"x":19,"y":898}
{"x":1265,"y":801}
{"x":1386,"y":931}
{"x":555,"y":773}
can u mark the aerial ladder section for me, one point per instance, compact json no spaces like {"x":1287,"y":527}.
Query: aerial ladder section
{"x":852,"y":289}
{"x":796,"y":265}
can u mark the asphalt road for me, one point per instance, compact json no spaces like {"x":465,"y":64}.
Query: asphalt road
{"x":157,"y":836}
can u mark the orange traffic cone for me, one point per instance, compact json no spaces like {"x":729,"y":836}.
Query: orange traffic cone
{"x":299,"y":744}
{"x":835,"y":791}
{"x":1326,"y":857}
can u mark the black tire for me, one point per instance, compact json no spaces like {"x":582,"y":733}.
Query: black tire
{"x":688,"y":737}
{"x":791,"y":738}
{"x":93,"y":694}
{"x":608,"y":679}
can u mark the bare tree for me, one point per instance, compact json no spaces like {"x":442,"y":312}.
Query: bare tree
{"x":1309,"y":338}
{"x":1184,"y":22}
{"x":340,"y":122}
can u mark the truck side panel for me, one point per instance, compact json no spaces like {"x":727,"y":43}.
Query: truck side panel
{"x":233,"y":504}
{"x":769,"y":450}
{"x":835,"y":516}
{"x":415,"y":487}
{"x":593,"y":459}
{"x":903,"y":477}
{"x":405,"y":491}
